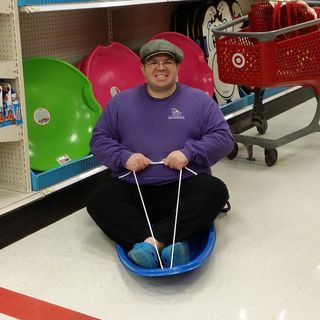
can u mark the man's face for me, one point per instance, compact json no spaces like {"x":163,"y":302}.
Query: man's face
{"x":160,"y":72}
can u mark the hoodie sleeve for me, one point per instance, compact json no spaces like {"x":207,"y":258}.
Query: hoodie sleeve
{"x":105,"y":142}
{"x":215,"y":142}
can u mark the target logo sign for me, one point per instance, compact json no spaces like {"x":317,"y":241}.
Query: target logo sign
{"x":238,"y":60}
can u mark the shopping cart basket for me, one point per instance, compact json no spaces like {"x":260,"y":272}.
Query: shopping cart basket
{"x":270,"y":59}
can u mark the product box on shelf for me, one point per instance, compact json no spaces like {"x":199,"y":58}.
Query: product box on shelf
{"x":42,"y":180}
{"x":7,"y":103}
{"x":22,"y":3}
{"x":1,"y":109}
{"x":16,"y":108}
{"x":10,"y":108}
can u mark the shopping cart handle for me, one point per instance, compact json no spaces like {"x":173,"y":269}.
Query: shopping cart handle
{"x":261,"y":36}
{"x":229,"y":24}
{"x":313,"y":3}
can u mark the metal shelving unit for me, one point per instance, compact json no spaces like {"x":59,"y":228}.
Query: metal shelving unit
{"x":40,"y":30}
{"x":15,"y":169}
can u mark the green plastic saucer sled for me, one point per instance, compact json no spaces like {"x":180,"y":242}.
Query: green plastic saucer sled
{"x":61,"y":112}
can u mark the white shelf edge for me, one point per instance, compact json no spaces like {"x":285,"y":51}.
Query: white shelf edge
{"x":15,"y":200}
{"x":5,"y":6}
{"x":11,"y":133}
{"x":8,"y":69}
{"x":89,"y":5}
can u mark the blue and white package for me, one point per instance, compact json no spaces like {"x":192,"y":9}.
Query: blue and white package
{"x":1,"y":109}
{"x":7,"y":104}
{"x":16,"y":107}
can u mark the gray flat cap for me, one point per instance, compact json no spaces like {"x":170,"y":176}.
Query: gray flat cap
{"x":159,"y":46}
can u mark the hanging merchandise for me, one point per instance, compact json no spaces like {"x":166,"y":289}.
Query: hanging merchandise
{"x":111,"y":69}
{"x":61,"y":112}
{"x":194,"y":70}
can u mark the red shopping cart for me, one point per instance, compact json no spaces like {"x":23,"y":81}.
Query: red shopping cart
{"x":288,"y":56}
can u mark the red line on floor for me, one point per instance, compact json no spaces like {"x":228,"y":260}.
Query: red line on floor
{"x":23,"y":307}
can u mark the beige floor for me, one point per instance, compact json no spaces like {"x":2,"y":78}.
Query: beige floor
{"x":265,"y":266}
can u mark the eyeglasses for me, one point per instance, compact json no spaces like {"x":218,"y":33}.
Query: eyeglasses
{"x":156,"y":64}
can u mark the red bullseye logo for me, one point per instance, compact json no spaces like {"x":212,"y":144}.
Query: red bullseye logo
{"x":238,"y":60}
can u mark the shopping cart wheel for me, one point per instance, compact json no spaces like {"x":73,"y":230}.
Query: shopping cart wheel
{"x":270,"y":156}
{"x":234,"y":152}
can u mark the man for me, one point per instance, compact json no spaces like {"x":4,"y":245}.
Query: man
{"x":155,"y":130}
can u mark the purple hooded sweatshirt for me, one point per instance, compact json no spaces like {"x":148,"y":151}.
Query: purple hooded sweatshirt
{"x":134,"y":122}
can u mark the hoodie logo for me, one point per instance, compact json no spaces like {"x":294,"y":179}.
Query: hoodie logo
{"x":175,"y":114}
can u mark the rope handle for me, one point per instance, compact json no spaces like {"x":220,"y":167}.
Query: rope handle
{"x":176,"y":219}
{"x":148,"y":220}
{"x":154,"y":163}
{"x":147,"y":216}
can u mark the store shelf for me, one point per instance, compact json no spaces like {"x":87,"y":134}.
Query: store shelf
{"x":10,"y":200}
{"x":236,"y":106}
{"x":66,"y":32}
{"x":90,"y":5}
{"x":44,"y":34}
{"x":45,"y":179}
{"x":11,"y":133}
{"x":73,"y":180}
{"x":8,"y":69}
{"x":275,"y":105}
{"x":5,"y":6}
{"x":14,"y":177}
{"x":249,"y":107}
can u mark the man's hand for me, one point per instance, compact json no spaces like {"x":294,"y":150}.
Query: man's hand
{"x":137,"y":162}
{"x":176,"y":160}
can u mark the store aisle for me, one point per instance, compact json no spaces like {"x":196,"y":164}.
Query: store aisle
{"x":266,"y":262}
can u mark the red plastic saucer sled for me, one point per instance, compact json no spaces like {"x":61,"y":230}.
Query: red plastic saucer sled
{"x":111,"y":69}
{"x":194,"y":70}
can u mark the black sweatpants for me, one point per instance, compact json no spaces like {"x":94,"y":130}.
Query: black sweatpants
{"x":117,"y":209}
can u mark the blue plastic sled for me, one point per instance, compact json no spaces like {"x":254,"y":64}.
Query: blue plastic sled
{"x":200,"y":250}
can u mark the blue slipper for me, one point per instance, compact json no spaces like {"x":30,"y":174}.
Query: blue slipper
{"x":181,"y":254}
{"x":144,"y":255}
